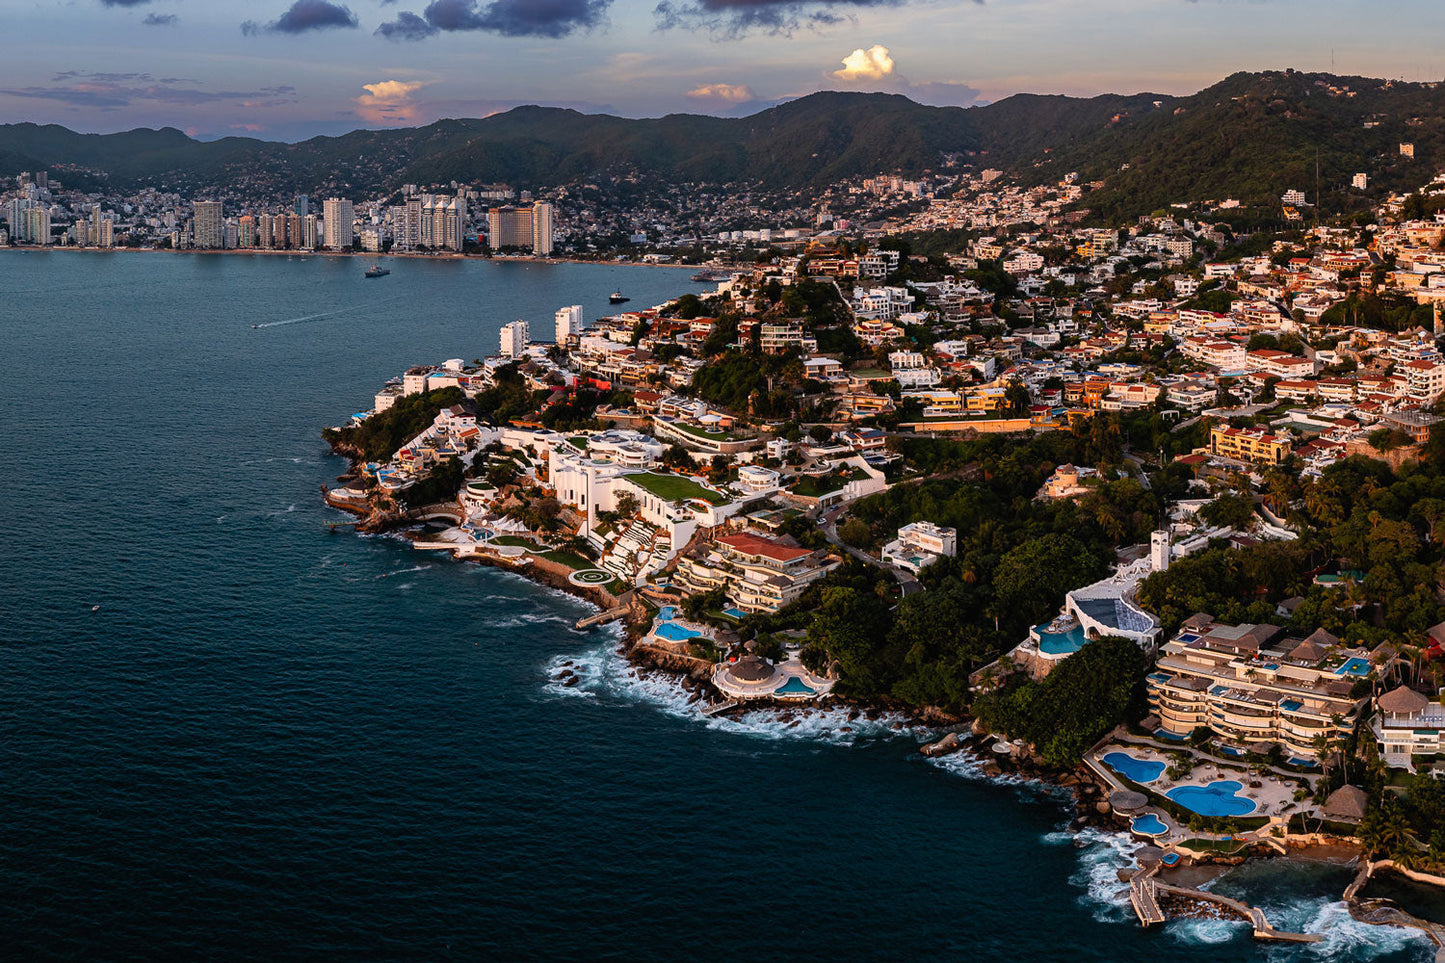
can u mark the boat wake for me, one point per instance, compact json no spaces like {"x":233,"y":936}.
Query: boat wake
{"x":325,"y":314}
{"x":601,"y":673}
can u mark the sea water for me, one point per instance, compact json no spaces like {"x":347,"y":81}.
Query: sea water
{"x":271,"y":741}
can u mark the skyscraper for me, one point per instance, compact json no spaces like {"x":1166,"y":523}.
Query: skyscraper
{"x":338,"y":215}
{"x":569,"y":323}
{"x":310,"y":233}
{"x":542,"y":229}
{"x":209,"y":226}
{"x":302,"y":206}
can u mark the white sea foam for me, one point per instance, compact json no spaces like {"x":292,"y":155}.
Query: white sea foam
{"x":1101,"y":855}
{"x":403,"y":571}
{"x":968,"y":766}
{"x":603,"y":673}
{"x":1346,"y":938}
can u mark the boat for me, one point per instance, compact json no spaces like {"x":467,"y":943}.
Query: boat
{"x":377,"y":271}
{"x":709,"y":277}
{"x":617,"y":297}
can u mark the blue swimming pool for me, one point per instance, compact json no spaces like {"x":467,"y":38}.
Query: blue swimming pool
{"x":1218,"y":798}
{"x":795,"y":687}
{"x":1138,"y":770}
{"x":667,"y":613}
{"x":733,"y":613}
{"x":1356,"y":666}
{"x":1149,"y":825}
{"x":1060,"y":643}
{"x":673,"y":632}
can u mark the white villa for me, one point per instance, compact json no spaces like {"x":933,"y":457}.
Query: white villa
{"x":919,"y":545}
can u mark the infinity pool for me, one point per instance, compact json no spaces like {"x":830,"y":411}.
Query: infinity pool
{"x":1218,"y":798}
{"x":1138,"y":770}
{"x":795,"y":687}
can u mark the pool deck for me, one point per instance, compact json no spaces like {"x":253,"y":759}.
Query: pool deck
{"x":1273,"y":798}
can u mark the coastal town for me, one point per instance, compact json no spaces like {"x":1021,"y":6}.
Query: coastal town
{"x":1164,"y":519}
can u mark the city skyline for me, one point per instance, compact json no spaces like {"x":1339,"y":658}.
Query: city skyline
{"x":318,"y":67}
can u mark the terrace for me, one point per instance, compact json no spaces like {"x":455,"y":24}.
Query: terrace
{"x":676,"y":488}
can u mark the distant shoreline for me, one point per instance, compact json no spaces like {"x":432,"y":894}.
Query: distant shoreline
{"x":401,"y":255}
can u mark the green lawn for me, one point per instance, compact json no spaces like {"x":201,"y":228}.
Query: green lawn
{"x":675,"y":488}
{"x":570,"y":559}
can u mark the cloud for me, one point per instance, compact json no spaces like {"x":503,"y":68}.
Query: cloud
{"x":722,"y":93}
{"x":510,"y":18}
{"x":109,"y":90}
{"x":406,"y":26}
{"x":736,"y":17}
{"x":304,"y":15}
{"x":123,"y":3}
{"x":389,"y":102}
{"x":875,"y":63}
{"x":159,"y":19}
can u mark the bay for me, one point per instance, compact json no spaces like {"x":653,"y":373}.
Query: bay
{"x":275,"y":742}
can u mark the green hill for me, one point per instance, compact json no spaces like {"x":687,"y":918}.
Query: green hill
{"x":1251,"y":136}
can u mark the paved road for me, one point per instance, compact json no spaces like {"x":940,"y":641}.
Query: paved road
{"x":828,"y":522}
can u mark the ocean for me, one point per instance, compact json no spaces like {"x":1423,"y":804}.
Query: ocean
{"x":275,"y":742}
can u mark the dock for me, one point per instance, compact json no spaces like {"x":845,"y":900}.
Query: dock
{"x":1144,"y":892}
{"x":721,"y":707}
{"x":1144,"y":895}
{"x":601,"y":617}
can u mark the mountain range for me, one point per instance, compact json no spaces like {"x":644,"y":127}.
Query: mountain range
{"x":1251,"y":136}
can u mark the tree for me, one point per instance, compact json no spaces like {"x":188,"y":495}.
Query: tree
{"x":1031,"y":579}
{"x":627,"y":504}
{"x":855,"y":532}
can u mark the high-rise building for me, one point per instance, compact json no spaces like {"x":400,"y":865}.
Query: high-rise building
{"x":279,"y":235}
{"x":509,"y":227}
{"x":569,"y":323}
{"x":1361,"y":182}
{"x":302,"y":206}
{"x":524,"y":227}
{"x":95,"y":219}
{"x":246,"y":231}
{"x":542,"y":229}
{"x":208,"y":227}
{"x":107,"y":233}
{"x":82,"y":232}
{"x":338,"y":216}
{"x":515,"y":337}
{"x":263,"y":231}
{"x":295,"y":230}
{"x":310,"y":233}
{"x":37,"y":224}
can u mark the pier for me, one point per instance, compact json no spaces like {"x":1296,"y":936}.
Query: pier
{"x":720,"y":708}
{"x":1144,"y":892}
{"x":601,"y":617}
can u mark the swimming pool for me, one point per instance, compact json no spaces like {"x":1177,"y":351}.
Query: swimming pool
{"x":1060,"y":643}
{"x":673,"y":632}
{"x":795,"y":687}
{"x":1149,"y":825}
{"x":667,"y":613}
{"x":1218,"y":798}
{"x":1356,"y":666}
{"x":733,"y":613}
{"x":1138,"y":770}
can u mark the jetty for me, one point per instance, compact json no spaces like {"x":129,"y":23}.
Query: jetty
{"x":601,"y":617}
{"x":1145,"y":889}
{"x":719,"y":708}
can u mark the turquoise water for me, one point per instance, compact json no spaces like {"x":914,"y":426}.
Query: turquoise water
{"x":795,"y":686}
{"x":673,"y":632}
{"x":1139,"y":770}
{"x":1356,"y":667}
{"x":1149,"y":825}
{"x":1218,"y":798}
{"x":1060,"y":643}
{"x":273,"y":742}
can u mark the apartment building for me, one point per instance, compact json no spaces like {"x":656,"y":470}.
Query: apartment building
{"x":1253,"y":688}
{"x":757,"y":573}
{"x":1244,"y":444}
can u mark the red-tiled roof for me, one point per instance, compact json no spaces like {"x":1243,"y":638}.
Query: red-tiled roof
{"x":750,"y":544}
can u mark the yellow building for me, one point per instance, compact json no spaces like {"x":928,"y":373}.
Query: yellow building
{"x":1243,"y":444}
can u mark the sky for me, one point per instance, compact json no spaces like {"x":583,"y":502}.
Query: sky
{"x":292,"y":69}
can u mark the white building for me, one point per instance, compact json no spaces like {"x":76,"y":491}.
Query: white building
{"x":339,"y":216}
{"x":919,"y":545}
{"x":208,"y":227}
{"x":569,"y":323}
{"x":515,"y":338}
